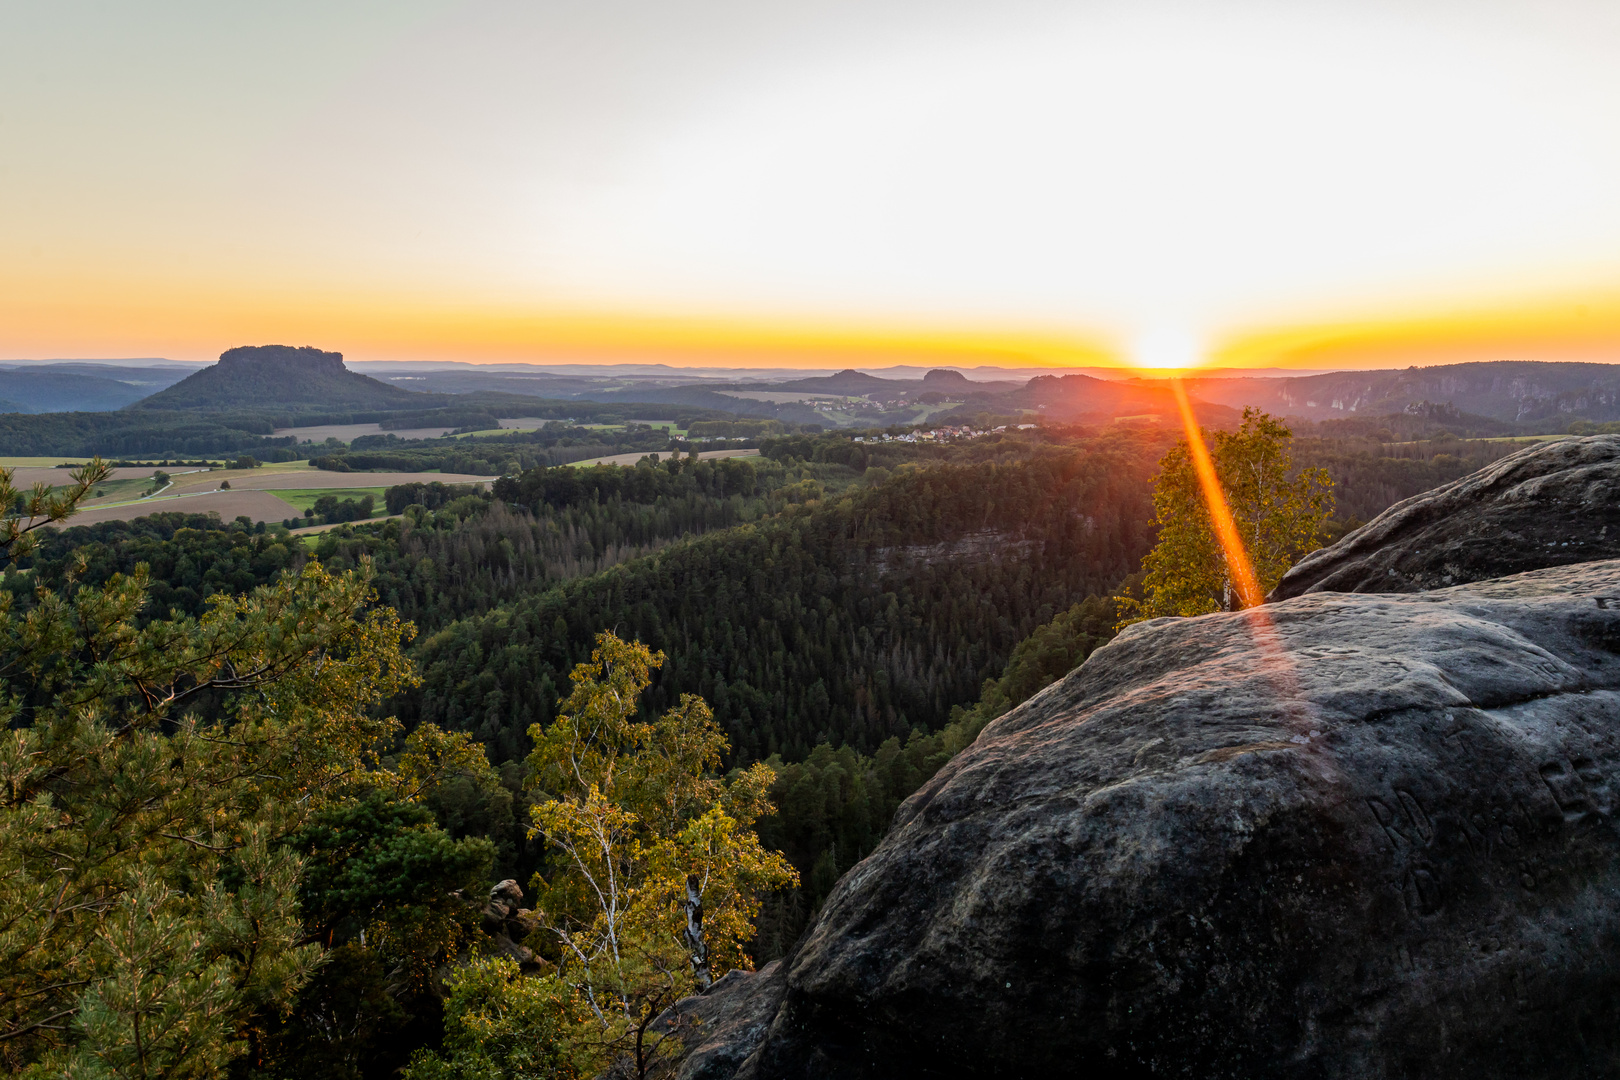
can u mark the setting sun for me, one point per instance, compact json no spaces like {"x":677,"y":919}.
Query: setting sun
{"x":1166,"y":349}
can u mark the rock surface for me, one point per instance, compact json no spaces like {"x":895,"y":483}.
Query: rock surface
{"x":508,"y":923}
{"x":723,"y":1025}
{"x":1371,"y":836}
{"x":1551,"y":504}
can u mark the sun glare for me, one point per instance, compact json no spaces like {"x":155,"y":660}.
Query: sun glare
{"x":1167,"y":348}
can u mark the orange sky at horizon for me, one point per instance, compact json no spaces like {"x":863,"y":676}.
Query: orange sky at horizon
{"x":196,"y":324}
{"x":852,"y":183}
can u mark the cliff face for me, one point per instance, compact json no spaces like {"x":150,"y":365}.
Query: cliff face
{"x":283,"y":377}
{"x":303,"y":359}
{"x":1354,"y":835}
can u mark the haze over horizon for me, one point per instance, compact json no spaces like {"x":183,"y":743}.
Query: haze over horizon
{"x":720,"y":184}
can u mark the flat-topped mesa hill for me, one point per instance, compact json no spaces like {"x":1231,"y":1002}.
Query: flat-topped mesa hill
{"x":284,"y":377}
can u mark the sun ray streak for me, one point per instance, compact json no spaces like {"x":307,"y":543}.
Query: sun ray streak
{"x":1274,"y":661}
{"x":1239,"y":569}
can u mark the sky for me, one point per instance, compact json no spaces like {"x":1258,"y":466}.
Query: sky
{"x":1304,"y":184}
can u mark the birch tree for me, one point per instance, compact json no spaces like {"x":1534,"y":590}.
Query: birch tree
{"x":657,"y":872}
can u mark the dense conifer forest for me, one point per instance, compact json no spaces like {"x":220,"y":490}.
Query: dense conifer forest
{"x":845,"y":619}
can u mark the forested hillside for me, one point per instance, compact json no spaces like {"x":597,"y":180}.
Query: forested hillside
{"x":846,"y":620}
{"x":80,"y":435}
{"x":1370,"y":476}
{"x":42,"y":389}
{"x":828,"y":599}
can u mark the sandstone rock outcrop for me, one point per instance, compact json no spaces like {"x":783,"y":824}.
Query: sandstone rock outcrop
{"x":508,"y":923}
{"x":1362,"y":836}
{"x":1552,"y":504}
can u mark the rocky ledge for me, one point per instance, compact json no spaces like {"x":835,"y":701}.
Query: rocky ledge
{"x":1553,"y":504}
{"x":1355,"y":835}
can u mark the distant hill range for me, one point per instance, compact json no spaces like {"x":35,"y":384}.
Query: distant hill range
{"x":1501,"y":397}
{"x":85,"y":387}
{"x":1514,"y":391}
{"x":848,"y":381}
{"x":1518,"y":395}
{"x":286,"y":378}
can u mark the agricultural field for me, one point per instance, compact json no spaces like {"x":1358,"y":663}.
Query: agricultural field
{"x":28,"y":475}
{"x":229,"y":505}
{"x":485,"y":433}
{"x":269,"y":493}
{"x":29,"y":462}
{"x":319,"y":433}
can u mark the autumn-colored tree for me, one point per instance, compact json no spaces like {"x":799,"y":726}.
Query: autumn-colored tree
{"x":657,"y":871}
{"x":503,"y":1025}
{"x":1278,"y":513}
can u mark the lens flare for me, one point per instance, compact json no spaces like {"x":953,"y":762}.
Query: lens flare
{"x":1271,"y":659}
{"x":1239,"y":569}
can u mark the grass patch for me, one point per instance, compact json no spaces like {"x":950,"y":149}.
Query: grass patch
{"x":132,"y":488}
{"x":304,"y":498}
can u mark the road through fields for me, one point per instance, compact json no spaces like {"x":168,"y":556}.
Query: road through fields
{"x":198,"y":492}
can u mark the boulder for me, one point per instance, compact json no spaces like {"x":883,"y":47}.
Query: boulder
{"x":1551,"y":504}
{"x":1342,"y":836}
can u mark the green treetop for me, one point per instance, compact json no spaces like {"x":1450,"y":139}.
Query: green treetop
{"x":148,"y":778}
{"x":1278,"y":513}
